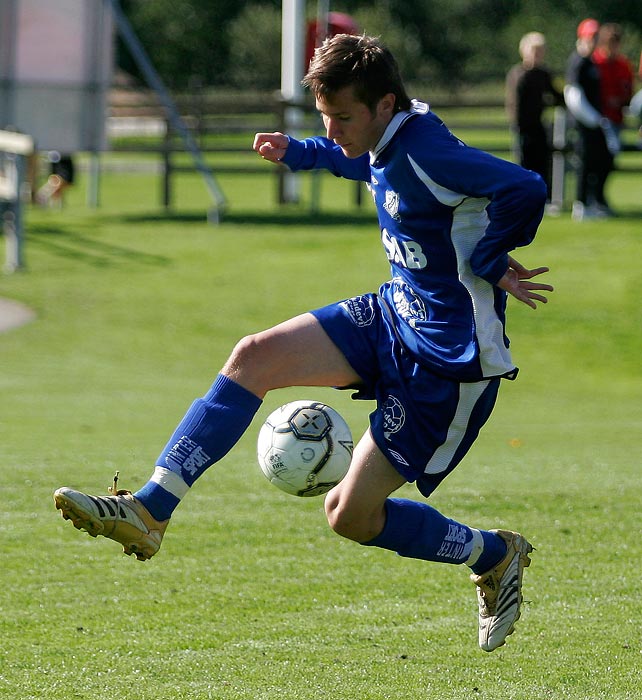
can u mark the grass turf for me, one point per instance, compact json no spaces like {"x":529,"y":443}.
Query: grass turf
{"x":251,"y":596}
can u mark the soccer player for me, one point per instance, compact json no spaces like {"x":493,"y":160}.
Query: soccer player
{"x":429,"y":347}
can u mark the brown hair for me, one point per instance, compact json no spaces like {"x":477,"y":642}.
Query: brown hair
{"x":608,"y":33}
{"x":361,"y":62}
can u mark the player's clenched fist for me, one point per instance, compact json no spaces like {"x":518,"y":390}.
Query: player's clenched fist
{"x":271,"y":146}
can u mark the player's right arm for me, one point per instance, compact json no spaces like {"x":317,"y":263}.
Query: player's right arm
{"x":316,"y":153}
{"x":272,"y":146}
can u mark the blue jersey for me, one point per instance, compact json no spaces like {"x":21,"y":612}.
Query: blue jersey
{"x":449,"y":215}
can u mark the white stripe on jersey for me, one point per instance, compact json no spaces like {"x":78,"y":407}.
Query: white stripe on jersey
{"x":469,"y":225}
{"x":469,"y":394}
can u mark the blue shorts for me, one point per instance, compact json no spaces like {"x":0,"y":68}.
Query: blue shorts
{"x":424,"y":423}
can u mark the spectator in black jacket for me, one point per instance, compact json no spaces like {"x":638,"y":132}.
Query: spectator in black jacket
{"x":529,"y":90}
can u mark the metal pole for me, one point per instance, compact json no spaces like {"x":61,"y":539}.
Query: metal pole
{"x":12,"y":213}
{"x":292,"y":50}
{"x":323,"y":9}
{"x":154,"y":81}
{"x":16,"y":148}
{"x":93,"y":188}
{"x":558,"y":174}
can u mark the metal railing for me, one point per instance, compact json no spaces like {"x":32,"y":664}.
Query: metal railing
{"x":15,"y":149}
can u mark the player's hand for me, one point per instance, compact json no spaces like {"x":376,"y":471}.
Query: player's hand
{"x":272,"y":147}
{"x":516,"y":282}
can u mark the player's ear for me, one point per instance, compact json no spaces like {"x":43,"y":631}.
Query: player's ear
{"x":386,"y":105}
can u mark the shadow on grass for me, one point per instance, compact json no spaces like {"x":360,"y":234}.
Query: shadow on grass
{"x":285,"y":218}
{"x":61,"y":241}
{"x":626,"y":214}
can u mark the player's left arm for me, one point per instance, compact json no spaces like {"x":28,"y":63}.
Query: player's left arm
{"x":516,"y":197}
{"x":516,"y":281}
{"x":516,"y":206}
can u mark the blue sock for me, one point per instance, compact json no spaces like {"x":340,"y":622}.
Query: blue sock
{"x":415,"y":529}
{"x":210,"y":428}
{"x":494,"y":551}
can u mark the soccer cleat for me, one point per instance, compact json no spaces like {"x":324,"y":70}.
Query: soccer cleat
{"x":499,"y":592}
{"x":121,"y":517}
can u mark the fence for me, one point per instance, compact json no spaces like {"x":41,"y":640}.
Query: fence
{"x":217,"y":123}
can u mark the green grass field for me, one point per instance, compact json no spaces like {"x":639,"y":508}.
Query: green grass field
{"x":251,"y":595}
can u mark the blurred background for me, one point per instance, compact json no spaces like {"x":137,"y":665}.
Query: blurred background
{"x":440,"y":44}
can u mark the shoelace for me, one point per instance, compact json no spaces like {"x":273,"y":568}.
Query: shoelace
{"x":114,"y":490}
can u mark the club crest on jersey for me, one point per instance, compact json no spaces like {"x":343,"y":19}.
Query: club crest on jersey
{"x":408,"y":305}
{"x":360,"y":309}
{"x":394,"y":416}
{"x":391,"y":205}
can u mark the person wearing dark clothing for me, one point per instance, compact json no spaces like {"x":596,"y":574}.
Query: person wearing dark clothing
{"x":529,"y":90}
{"x":597,"y":141}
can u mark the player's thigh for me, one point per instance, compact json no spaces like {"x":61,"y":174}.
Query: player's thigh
{"x":297,"y":352}
{"x":355,"y":508}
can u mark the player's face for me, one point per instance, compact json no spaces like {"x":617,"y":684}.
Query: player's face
{"x":351,"y":124}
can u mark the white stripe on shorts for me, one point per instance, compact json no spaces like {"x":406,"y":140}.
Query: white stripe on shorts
{"x":468,"y":396}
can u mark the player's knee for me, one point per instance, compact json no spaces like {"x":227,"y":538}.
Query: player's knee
{"x":249,"y":364}
{"x":331,"y":504}
{"x":246,"y":352}
{"x":347,"y":521}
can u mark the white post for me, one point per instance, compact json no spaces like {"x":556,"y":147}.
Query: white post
{"x":292,"y":55}
{"x":323,"y":8}
{"x":93,"y":188}
{"x":558,"y":175}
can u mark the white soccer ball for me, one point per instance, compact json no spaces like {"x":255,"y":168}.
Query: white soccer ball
{"x":304,"y":448}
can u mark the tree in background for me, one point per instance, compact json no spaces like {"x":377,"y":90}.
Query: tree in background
{"x":187,"y":40}
{"x":255,"y":48}
{"x":443,"y":43}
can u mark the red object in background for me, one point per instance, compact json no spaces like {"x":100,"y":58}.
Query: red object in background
{"x":338,"y":23}
{"x":616,"y":84}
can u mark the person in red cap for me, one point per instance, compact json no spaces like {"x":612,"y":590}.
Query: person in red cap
{"x":588,"y":28}
{"x":597,"y":141}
